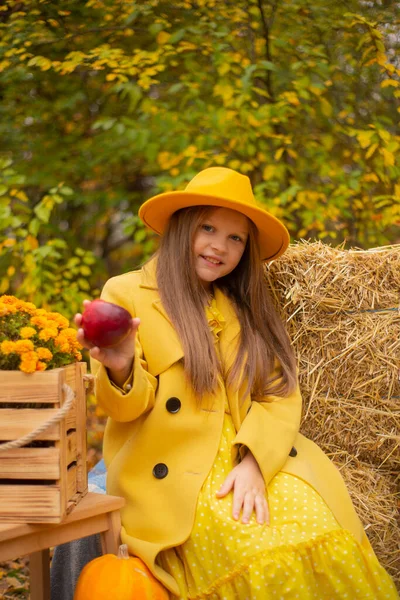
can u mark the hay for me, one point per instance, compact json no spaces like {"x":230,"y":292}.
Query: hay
{"x":342,"y":309}
{"x":375,"y":497}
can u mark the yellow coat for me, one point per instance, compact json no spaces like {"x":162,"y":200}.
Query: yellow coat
{"x":158,"y":457}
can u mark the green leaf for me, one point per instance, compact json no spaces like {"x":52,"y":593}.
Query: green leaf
{"x":83,"y":284}
{"x":67,"y":191}
{"x":34,"y":227}
{"x":177,"y":36}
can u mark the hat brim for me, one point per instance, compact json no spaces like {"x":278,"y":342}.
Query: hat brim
{"x":273,"y":236}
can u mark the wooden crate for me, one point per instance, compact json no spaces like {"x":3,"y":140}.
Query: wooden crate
{"x":42,"y":482}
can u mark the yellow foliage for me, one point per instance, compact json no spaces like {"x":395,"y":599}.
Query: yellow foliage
{"x":291,"y":97}
{"x":326,"y":107}
{"x":163,"y":37}
{"x":371,"y":177}
{"x":390,"y":82}
{"x":224,"y":68}
{"x":371,"y":150}
{"x":253,"y":121}
{"x":388,"y":157}
{"x":365,"y":138}
{"x":269,"y":171}
{"x":224,"y":90}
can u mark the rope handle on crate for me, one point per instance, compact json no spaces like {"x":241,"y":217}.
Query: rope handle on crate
{"x":60,"y":414}
{"x":46,"y":425}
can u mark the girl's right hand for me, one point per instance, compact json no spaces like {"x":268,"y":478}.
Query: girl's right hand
{"x":119,"y":358}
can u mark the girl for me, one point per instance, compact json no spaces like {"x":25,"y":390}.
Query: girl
{"x":224,"y":498}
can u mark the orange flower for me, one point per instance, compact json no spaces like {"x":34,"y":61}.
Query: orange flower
{"x":48,"y":333}
{"x":27,"y":366}
{"x":27,"y":332}
{"x":18,"y":304}
{"x":44,"y":353}
{"x":59,"y":319}
{"x":23,"y":319}
{"x":28,"y":362}
{"x":62,"y":343}
{"x":8,"y":299}
{"x":69,"y":333}
{"x":7,"y":309}
{"x":7,"y":347}
{"x":22,"y":346}
{"x":39,"y":320}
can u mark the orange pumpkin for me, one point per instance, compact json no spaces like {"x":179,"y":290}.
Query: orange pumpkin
{"x":121,"y":577}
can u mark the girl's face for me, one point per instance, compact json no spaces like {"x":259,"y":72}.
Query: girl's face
{"x":219,"y":244}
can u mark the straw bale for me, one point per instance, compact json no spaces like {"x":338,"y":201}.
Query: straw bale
{"x":328,"y":279}
{"x":342,"y":311}
{"x":375,"y":494}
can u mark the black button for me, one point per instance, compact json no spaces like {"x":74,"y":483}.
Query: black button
{"x":160,"y":471}
{"x":293,"y":452}
{"x":173,"y":405}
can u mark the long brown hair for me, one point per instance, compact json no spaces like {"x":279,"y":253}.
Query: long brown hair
{"x":263,"y":338}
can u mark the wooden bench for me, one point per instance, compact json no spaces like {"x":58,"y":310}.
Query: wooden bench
{"x":96,"y":513}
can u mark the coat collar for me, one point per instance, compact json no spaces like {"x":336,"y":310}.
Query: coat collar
{"x":149,"y":282}
{"x":149,"y":275}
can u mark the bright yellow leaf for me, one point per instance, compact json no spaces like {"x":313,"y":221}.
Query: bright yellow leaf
{"x":371,"y":150}
{"x":390,"y":82}
{"x":365,"y":138}
{"x":225,"y":91}
{"x":163,"y":37}
{"x":388,"y":157}
{"x":278,"y":153}
{"x":326,"y":107}
{"x":371,"y":177}
{"x":253,"y":121}
{"x":224,"y":68}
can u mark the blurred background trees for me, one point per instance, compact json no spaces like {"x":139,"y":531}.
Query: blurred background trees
{"x":106,"y":102}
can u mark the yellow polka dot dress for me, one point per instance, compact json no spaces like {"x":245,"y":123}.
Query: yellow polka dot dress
{"x":302,"y":554}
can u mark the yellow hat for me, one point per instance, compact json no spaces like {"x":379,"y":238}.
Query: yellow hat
{"x":222,"y":187}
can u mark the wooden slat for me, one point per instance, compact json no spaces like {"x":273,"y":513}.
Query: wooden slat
{"x":17,"y":422}
{"x":71,"y":448}
{"x":30,"y":503}
{"x":71,"y":482}
{"x":81,"y":477}
{"x":42,"y":386}
{"x":30,"y":463}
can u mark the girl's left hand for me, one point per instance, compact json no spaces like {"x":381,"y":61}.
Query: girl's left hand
{"x":248,"y":486}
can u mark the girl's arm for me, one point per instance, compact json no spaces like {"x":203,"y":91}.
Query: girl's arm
{"x":269,"y":431}
{"x":124,"y":387}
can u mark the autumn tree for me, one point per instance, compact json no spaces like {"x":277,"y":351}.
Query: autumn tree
{"x":107,"y":102}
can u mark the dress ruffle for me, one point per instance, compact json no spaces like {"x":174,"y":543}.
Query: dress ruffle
{"x":332,"y":567}
{"x":216,"y":320}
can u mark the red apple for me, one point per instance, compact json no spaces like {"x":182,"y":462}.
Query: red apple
{"x":105,"y":324}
